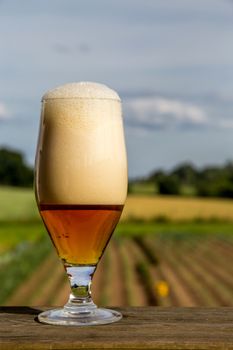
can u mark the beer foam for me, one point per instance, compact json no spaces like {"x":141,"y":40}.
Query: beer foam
{"x":81,"y":157}
{"x":82,"y":90}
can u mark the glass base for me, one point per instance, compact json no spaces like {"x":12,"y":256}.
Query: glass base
{"x":63,"y":317}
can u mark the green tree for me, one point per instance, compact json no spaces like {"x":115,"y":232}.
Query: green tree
{"x":13,"y":170}
{"x":186,"y":173}
{"x":168,"y":184}
{"x":216,"y":181}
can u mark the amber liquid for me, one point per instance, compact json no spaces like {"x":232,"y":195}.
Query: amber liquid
{"x":80,"y":233}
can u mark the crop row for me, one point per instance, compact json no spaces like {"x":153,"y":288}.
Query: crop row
{"x":143,"y":270}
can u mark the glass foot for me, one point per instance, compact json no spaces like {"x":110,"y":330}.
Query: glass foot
{"x":65,"y":318}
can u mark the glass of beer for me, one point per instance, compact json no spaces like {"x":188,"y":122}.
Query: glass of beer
{"x":81,"y":186}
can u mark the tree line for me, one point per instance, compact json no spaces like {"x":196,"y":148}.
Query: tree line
{"x":186,"y":179}
{"x":13,"y":169}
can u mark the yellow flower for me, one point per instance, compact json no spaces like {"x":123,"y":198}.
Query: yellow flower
{"x":162,"y":288}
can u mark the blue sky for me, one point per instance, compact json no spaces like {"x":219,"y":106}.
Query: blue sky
{"x":171,"y":61}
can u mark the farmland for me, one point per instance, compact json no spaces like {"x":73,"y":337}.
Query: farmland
{"x":166,"y":251}
{"x":175,"y":208}
{"x":148,"y":270}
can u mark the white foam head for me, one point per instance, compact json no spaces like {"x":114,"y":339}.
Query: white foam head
{"x":81,"y":157}
{"x":82,"y":89}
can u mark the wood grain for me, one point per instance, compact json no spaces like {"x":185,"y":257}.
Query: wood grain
{"x":140,"y":328}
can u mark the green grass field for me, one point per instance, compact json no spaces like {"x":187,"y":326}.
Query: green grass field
{"x":19,"y":217}
{"x":135,"y":228}
{"x":23,"y":241}
{"x":17,"y":204}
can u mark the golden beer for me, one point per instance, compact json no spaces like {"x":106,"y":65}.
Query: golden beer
{"x":80,"y":233}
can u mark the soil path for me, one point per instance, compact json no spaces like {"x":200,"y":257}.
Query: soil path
{"x":116,"y":296}
{"x":139,"y":256}
{"x":135,"y":290}
{"x":46,"y":292}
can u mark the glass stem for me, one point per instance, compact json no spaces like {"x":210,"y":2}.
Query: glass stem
{"x":80,"y":278}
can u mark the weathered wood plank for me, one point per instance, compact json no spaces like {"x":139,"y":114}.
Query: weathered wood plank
{"x":140,"y":328}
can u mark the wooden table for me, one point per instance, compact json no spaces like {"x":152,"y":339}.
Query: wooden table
{"x":140,"y":328}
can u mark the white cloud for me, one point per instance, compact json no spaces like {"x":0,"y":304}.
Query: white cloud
{"x":4,"y":113}
{"x":159,"y":112}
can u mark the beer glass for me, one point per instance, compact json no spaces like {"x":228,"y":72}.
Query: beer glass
{"x":81,"y":186}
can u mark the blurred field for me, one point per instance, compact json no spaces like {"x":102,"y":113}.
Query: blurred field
{"x":17,"y":204}
{"x":177,"y":208}
{"x":177,"y":270}
{"x":166,"y":251}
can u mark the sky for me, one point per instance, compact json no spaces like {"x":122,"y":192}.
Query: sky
{"x":170,"y":61}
